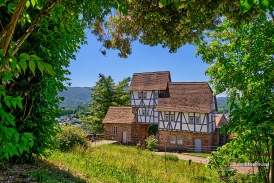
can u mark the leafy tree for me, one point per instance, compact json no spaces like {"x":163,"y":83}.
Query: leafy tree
{"x":38,"y":38}
{"x":106,"y":94}
{"x":168,"y":23}
{"x":242,"y":63}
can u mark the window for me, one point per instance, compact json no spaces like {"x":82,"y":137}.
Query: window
{"x":191,"y":119}
{"x":145,"y":111}
{"x":172,"y":140}
{"x":144,"y":94}
{"x":180,"y":140}
{"x":166,"y":117}
{"x":197,"y":120}
{"x":156,"y":95}
{"x":115,"y":130}
{"x":171,"y":117}
{"x":139,"y":94}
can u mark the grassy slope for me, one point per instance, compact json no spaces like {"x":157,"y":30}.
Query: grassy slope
{"x":111,"y":163}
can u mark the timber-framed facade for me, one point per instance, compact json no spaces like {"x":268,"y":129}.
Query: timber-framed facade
{"x":184,"y":111}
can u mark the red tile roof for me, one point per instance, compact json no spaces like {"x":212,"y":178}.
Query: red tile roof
{"x":187,"y":97}
{"x":220,"y":120}
{"x":149,"y":81}
{"x":119,"y":115}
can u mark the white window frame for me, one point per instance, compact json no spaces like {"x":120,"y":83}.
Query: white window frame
{"x":147,"y":112}
{"x":139,"y":95}
{"x":143,"y":111}
{"x":191,"y":119}
{"x":172,"y":139}
{"x":172,"y":118}
{"x":197,"y":120}
{"x":180,"y":140}
{"x":115,"y":130}
{"x":166,"y":117}
{"x":144,"y":94}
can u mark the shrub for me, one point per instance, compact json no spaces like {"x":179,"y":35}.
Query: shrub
{"x":70,"y":137}
{"x":171,"y":157}
{"x":151,"y":141}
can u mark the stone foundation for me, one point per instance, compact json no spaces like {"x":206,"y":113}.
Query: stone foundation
{"x":187,"y":138}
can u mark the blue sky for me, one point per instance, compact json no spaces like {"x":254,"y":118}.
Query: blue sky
{"x":183,"y":65}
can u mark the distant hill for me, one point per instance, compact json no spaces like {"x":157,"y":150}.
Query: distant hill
{"x":75,"y":96}
{"x":223,"y":107}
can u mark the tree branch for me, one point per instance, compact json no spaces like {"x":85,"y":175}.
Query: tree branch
{"x":43,"y":12}
{"x":11,"y":26}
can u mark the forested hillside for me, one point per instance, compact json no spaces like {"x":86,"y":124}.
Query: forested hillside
{"x":75,"y":96}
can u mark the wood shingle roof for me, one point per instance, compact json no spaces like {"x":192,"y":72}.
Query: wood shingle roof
{"x":187,"y":97}
{"x":149,"y":81}
{"x":119,"y":115}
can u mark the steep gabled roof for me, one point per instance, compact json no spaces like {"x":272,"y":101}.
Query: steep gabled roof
{"x":220,"y":120}
{"x":119,"y":115}
{"x":187,"y":97}
{"x":150,"y":81}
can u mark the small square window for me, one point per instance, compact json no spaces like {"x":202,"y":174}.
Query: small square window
{"x":172,"y":140}
{"x":180,"y":140}
{"x":171,"y":118}
{"x":115,"y":130}
{"x":166,"y":117}
{"x":139,"y":94}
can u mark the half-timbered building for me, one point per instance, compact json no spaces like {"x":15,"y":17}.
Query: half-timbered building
{"x":183,"y":111}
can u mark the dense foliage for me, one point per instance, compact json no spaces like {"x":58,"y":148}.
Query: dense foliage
{"x":38,"y":38}
{"x":69,"y":137}
{"x":105,"y":94}
{"x":171,"y":23}
{"x":242,"y":64}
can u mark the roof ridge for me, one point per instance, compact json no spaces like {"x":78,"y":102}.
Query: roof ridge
{"x":151,"y":72}
{"x":191,"y":82}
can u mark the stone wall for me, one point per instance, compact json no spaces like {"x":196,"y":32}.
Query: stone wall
{"x":135,"y":132}
{"x":139,"y":132}
{"x":108,"y":131}
{"x":187,"y":137}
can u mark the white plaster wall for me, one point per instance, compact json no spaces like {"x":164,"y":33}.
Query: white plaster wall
{"x":135,"y":101}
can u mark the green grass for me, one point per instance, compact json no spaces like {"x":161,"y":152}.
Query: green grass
{"x":114,"y":163}
{"x":204,"y":155}
{"x":41,"y":171}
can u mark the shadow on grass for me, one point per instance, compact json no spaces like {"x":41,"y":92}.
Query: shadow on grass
{"x":41,"y":171}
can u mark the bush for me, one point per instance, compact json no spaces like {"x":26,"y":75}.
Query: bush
{"x":70,"y":137}
{"x":171,"y":157}
{"x":151,"y":141}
